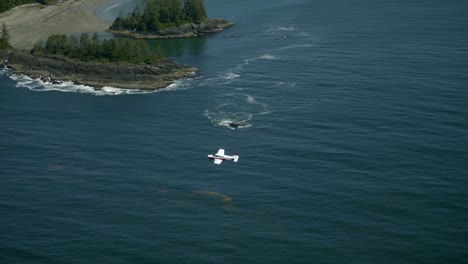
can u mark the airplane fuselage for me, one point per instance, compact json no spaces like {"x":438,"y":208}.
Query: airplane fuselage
{"x":224,"y":157}
{"x":220,"y":156}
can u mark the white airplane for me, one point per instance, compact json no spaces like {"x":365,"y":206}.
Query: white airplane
{"x":220,"y":156}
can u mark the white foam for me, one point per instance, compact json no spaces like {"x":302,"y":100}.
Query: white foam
{"x":227,"y":123}
{"x":5,"y":71}
{"x":286,"y":28}
{"x":289,"y":31}
{"x":273,"y":30}
{"x":226,"y":118}
{"x":295,"y":46}
{"x":268,"y":57}
{"x":177,"y":85}
{"x":236,"y":110}
{"x":231,"y":75}
{"x":251,"y":100}
{"x":278,"y":83}
{"x":234,"y":72}
{"x":70,"y":87}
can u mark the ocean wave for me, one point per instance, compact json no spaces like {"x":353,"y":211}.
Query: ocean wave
{"x":39,"y":85}
{"x":286,"y":28}
{"x":235,"y":72}
{"x":251,"y":100}
{"x":295,"y":46}
{"x":5,"y":71}
{"x":268,"y":57}
{"x":273,"y":31}
{"x":177,"y":85}
{"x":231,"y":75}
{"x":287,"y":32}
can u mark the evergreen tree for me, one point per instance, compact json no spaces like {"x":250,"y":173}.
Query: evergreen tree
{"x":74,"y":45}
{"x":195,"y":11}
{"x":38,"y":47}
{"x":94,"y":49}
{"x":5,"y":40}
{"x":160,"y":14}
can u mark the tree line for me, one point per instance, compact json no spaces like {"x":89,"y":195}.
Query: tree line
{"x":88,"y":48}
{"x":6,"y":5}
{"x":5,"y":39}
{"x":161,"y":14}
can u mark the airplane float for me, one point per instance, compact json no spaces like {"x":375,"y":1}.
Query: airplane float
{"x":220,"y":156}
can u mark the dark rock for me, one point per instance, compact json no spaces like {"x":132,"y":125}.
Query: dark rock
{"x":96,"y":74}
{"x":183,"y":31}
{"x":238,"y":124}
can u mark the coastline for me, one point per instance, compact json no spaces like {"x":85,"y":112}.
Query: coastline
{"x":211,"y":25}
{"x":28,"y":24}
{"x":101,"y":10}
{"x":57,"y":69}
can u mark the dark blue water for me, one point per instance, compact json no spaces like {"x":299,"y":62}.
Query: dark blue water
{"x":356,"y":150}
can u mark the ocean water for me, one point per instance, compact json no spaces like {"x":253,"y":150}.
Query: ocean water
{"x":356,"y":149}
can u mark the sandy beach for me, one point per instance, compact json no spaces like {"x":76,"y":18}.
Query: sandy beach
{"x":29,"y":23}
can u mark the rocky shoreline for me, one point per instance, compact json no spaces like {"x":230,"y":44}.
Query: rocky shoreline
{"x":97,"y":74}
{"x":185,"y":31}
{"x":31,"y":23}
{"x":113,"y":74}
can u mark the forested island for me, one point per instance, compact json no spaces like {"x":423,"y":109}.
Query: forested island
{"x":97,"y":63}
{"x":167,"y":19}
{"x":87,"y":59}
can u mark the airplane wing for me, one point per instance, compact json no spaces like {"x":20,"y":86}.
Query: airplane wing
{"x":220,"y":152}
{"x":217,"y":161}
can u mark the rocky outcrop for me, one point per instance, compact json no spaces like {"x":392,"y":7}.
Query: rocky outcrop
{"x":184,"y":31}
{"x":97,"y":74}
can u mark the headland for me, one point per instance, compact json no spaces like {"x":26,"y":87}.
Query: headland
{"x":188,"y":30}
{"x":28,"y":24}
{"x":55,"y":68}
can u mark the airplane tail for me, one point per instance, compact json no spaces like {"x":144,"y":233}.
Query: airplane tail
{"x":236,"y":157}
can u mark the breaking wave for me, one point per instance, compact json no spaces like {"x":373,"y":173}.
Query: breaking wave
{"x":287,"y":32}
{"x":39,"y":85}
{"x":286,"y":28}
{"x":235,"y":72}
{"x":295,"y":46}
{"x":268,"y":57}
{"x":281,"y":30}
{"x":5,"y":71}
{"x":251,"y":100}
{"x":231,"y":75}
